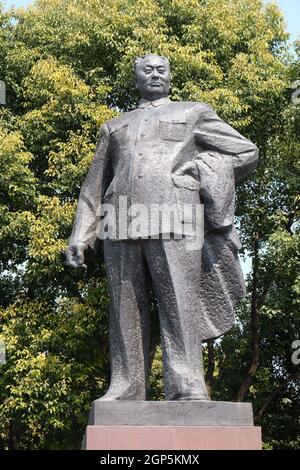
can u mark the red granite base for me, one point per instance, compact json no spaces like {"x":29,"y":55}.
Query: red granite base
{"x":173,"y":438}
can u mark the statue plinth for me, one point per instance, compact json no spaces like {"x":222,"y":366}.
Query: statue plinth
{"x":171,"y":425}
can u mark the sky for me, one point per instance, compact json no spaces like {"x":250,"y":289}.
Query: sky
{"x":291,"y":9}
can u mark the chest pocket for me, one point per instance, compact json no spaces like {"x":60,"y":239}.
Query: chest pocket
{"x":173,"y":129}
{"x":119,"y":134}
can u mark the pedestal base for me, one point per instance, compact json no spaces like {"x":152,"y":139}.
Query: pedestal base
{"x":173,"y":438}
{"x":171,"y":425}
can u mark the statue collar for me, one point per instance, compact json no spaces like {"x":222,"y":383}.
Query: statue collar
{"x":147,"y":104}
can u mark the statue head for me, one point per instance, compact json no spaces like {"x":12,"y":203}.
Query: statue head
{"x":152,"y":76}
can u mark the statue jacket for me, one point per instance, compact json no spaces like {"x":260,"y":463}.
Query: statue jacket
{"x":176,"y":153}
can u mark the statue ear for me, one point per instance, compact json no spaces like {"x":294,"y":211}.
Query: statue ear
{"x":136,"y":86}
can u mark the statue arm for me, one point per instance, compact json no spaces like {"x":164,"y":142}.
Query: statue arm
{"x":85,"y":224}
{"x":224,"y":159}
{"x":212,"y":133}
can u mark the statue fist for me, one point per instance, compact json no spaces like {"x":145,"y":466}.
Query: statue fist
{"x":188,"y":168}
{"x":75,"y":254}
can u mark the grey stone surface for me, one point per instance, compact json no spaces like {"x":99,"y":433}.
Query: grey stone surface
{"x":178,"y":154}
{"x":170,"y":413}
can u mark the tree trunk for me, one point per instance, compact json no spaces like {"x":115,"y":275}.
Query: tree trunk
{"x":209,"y":377}
{"x":13,"y":443}
{"x":254,"y":328}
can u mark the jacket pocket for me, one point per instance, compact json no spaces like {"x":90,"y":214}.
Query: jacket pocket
{"x":119,"y":135}
{"x":119,"y":128}
{"x":174,"y":130}
{"x":187,"y":201}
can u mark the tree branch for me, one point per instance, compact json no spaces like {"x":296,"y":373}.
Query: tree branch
{"x":274,"y":395}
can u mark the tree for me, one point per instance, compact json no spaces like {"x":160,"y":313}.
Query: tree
{"x":261,"y":343}
{"x":66,"y":67}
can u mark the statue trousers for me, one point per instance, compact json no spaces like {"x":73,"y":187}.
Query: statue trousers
{"x":174,"y":275}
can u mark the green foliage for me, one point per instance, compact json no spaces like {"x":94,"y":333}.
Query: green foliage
{"x":67,"y":65}
{"x":55,"y":368}
{"x":156,"y":386}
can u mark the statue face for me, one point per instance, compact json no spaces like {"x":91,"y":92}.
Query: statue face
{"x":153,"y":78}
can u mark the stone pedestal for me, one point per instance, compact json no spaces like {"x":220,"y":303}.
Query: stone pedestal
{"x":173,"y":425}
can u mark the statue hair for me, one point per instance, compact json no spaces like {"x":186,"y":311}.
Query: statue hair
{"x":139,"y":59}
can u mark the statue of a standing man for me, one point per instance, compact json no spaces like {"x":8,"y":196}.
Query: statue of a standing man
{"x":165,"y":153}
